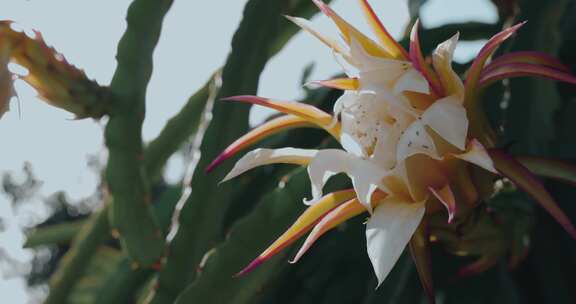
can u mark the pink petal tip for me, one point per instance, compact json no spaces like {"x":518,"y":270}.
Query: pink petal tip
{"x":257,"y":262}
{"x":216,"y":162}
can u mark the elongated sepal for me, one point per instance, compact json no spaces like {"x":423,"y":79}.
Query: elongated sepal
{"x":446,"y":197}
{"x":303,"y":224}
{"x":260,"y":157}
{"x":350,"y":33}
{"x":308,"y":27}
{"x":485,"y":53}
{"x":302,"y":110}
{"x":391,"y":45}
{"x":550,"y":168}
{"x":512,"y":70}
{"x":348,"y":84}
{"x":526,"y":181}
{"x":269,"y":128}
{"x":420,"y":63}
{"x":532,"y":57}
{"x":479,"y":125}
{"x":334,"y":218}
{"x":420,"y":251}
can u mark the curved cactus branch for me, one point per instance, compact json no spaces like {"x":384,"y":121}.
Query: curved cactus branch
{"x":53,"y":234}
{"x":74,"y":263}
{"x":131,"y":214}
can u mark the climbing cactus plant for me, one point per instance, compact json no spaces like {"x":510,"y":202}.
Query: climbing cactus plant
{"x":461,"y":176}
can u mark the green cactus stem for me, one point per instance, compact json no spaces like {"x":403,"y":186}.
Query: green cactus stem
{"x":131,"y":213}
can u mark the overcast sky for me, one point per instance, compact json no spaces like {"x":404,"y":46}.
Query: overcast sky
{"x":191,"y":47}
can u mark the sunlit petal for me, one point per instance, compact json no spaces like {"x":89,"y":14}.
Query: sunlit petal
{"x":389,"y":230}
{"x":416,"y":140}
{"x":260,"y":157}
{"x":389,"y":68}
{"x":366,"y":177}
{"x":412,"y":81}
{"x":447,"y":117}
{"x":442,"y":60}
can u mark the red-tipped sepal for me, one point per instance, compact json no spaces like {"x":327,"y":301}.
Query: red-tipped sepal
{"x":347,"y":84}
{"x":525,"y":180}
{"x":485,"y":53}
{"x":512,"y":70}
{"x":391,"y":45}
{"x":532,"y":57}
{"x":302,"y":110}
{"x":550,"y":168}
{"x":269,"y":128}
{"x":303,"y":224}
{"x":420,"y":63}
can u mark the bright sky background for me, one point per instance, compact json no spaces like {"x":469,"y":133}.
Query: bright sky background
{"x":87,"y":32}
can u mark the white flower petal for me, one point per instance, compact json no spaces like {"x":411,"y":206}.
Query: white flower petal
{"x":385,"y":150}
{"x":412,"y":81}
{"x":345,"y":101}
{"x":415,"y":140}
{"x":448,"y":118}
{"x":261,"y":157}
{"x":351,"y":145}
{"x":326,"y":164}
{"x":366,"y":176}
{"x":363,"y":121}
{"x":477,"y":154}
{"x":442,"y":61}
{"x":444,"y":52}
{"x":389,"y":68}
{"x":389,"y":230}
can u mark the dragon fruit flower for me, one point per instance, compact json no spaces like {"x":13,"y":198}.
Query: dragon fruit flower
{"x":409,"y":131}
